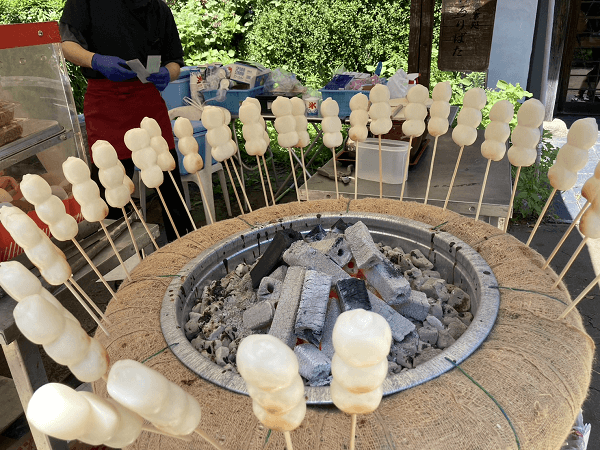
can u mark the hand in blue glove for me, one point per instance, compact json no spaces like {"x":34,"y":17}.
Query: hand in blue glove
{"x":160,"y":79}
{"x":112,"y":67}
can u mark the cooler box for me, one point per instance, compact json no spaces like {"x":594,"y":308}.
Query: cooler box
{"x":393,"y":158}
{"x":233,"y":99}
{"x":342,"y":97}
{"x":200,"y":136}
{"x":176,"y":90}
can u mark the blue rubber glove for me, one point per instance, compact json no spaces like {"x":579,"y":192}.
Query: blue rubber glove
{"x":160,"y":79}
{"x":112,"y":67}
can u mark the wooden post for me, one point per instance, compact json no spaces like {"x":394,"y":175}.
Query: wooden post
{"x":420,"y":39}
{"x":559,"y":33}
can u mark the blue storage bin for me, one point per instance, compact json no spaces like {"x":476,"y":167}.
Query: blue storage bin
{"x":233,"y":99}
{"x":176,"y":90}
{"x":200,"y":136}
{"x":342,"y":97}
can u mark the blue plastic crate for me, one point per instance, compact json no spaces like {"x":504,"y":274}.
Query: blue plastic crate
{"x":233,"y":98}
{"x":176,"y":90}
{"x":342,"y":97}
{"x":200,"y":136}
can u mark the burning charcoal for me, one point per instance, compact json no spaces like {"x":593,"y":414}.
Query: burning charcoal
{"x":466,"y":318}
{"x":198,"y":343}
{"x":313,"y":306}
{"x":353,"y":294}
{"x":456,"y":329}
{"x":314,"y":364}
{"x":431,"y":274}
{"x":336,"y":248}
{"x":428,"y":334}
{"x":400,"y":326}
{"x":444,"y":339}
{"x":434,"y":322}
{"x":405,"y":263}
{"x":460,"y":300}
{"x":436,"y":311}
{"x":272,"y":256}
{"x":279,"y":273}
{"x":426,"y":355}
{"x":417,"y":306}
{"x":318,"y":233}
{"x":258,"y":316}
{"x":192,"y":326}
{"x":269,"y":290}
{"x":389,"y":282}
{"x":285,"y":314}
{"x":302,"y":254}
{"x":217,"y":333}
{"x":365,"y":252}
{"x":419,"y":260}
{"x":322,"y":382}
{"x":435,"y":288}
{"x":340,"y":227}
{"x":333,"y":312}
{"x":220,"y":355}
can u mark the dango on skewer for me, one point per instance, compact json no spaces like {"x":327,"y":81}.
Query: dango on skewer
{"x":496,"y":134}
{"x":254,"y":133}
{"x":358,"y":132}
{"x":332,"y":132}
{"x":380,"y":113}
{"x":43,"y":320}
{"x":40,"y":250}
{"x":362,"y":341}
{"x":465,"y":132}
{"x":525,"y":138}
{"x":287,"y":136}
{"x":299,"y":113}
{"x":51,"y":210}
{"x":438,"y":122}
{"x":145,"y":158}
{"x":160,"y":401}
{"x":270,"y":369}
{"x":414,"y":125}
{"x":571,"y":158}
{"x":87,"y":194}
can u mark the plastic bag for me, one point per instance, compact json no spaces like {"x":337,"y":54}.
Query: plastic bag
{"x":283,"y":81}
{"x":580,"y":435}
{"x":398,"y":84}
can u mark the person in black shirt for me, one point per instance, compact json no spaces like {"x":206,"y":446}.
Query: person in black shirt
{"x":100,"y":36}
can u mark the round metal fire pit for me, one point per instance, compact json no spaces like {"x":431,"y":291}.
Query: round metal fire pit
{"x":456,"y":262}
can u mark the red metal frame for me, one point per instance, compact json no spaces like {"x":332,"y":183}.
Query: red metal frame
{"x":27,"y":34}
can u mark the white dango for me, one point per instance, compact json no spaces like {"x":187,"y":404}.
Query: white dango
{"x":359,"y":117}
{"x":590,"y":221}
{"x":331,"y":124}
{"x":415,"y":111}
{"x":465,"y":132}
{"x":497,"y":131}
{"x":380,"y":111}
{"x":85,"y":190}
{"x":252,"y":129}
{"x":144,"y":157}
{"x":526,"y":134}
{"x":299,"y":113}
{"x":219,"y":135}
{"x":111,"y":175}
{"x":270,"y":370}
{"x":285,"y":124}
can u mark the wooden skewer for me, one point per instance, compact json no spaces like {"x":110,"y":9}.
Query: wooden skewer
{"x":537,"y":224}
{"x":430,"y":169}
{"x":356,"y":174}
{"x":405,"y":180}
{"x":353,"y":432}
{"x":512,"y":199}
{"x":89,"y":300}
{"x":268,"y":178}
{"x":262,"y":180}
{"x":304,"y":171}
{"x":453,"y":176}
{"x":207,"y":438}
{"x":237,"y":175}
{"x":566,"y":235}
{"x":187,"y":210}
{"x":288,"y":440}
{"x":573,"y":257}
{"x":162,"y":199}
{"x":294,"y":173}
{"x":337,"y":189}
{"x":137,"y":212}
{"x":135,"y":245}
{"x":487,"y":171}
{"x":153,"y":429}
{"x":381,"y":171}
{"x":234,"y":188}
{"x":204,"y":198}
{"x":86,"y":307}
{"x":93,"y":266}
{"x":114,"y":247}
{"x":580,"y":297}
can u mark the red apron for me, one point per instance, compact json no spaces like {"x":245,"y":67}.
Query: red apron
{"x":111,"y":109}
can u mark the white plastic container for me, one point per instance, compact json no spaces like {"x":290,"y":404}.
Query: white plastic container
{"x":393,"y":160}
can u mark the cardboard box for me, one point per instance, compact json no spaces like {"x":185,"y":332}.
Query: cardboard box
{"x":250,"y":73}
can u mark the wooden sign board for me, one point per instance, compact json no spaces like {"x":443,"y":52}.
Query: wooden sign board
{"x":466,"y":35}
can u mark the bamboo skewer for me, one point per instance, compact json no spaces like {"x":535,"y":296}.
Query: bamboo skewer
{"x":288,"y":440}
{"x":453,"y":176}
{"x":207,"y":438}
{"x":512,"y":199}
{"x":114,"y":247}
{"x":234,"y":188}
{"x":566,"y":235}
{"x":204,"y":198}
{"x":573,"y":257}
{"x":485,"y":177}
{"x":337,"y":189}
{"x":153,"y":429}
{"x":262,"y":180}
{"x":537,"y":224}
{"x":430,"y":169}
{"x":356,"y":174}
{"x":94,"y":268}
{"x":168,"y":212}
{"x":304,"y":171}
{"x":294,"y":173}
{"x":580,"y":297}
{"x":237,"y":175}
{"x":353,"y":432}
{"x":404,"y":181}
{"x":268,"y":178}
{"x":135,"y":245}
{"x":86,"y":307}
{"x":89,"y":300}
{"x":381,"y":171}
{"x":187,"y":210}
{"x":137,"y":212}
